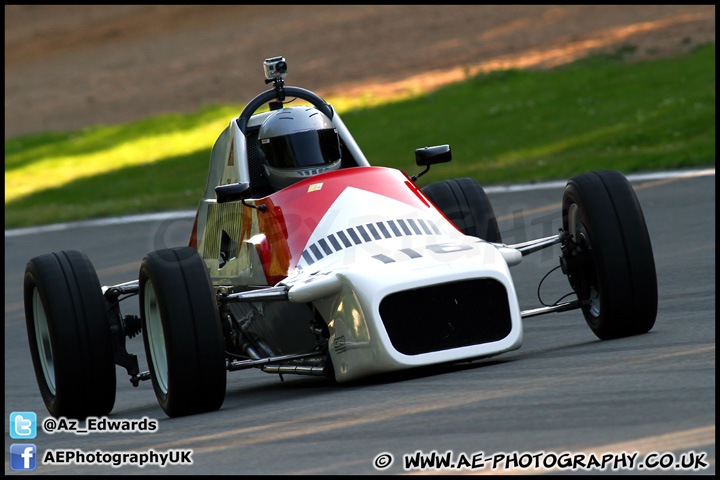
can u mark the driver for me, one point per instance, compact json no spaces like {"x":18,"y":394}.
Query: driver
{"x":297,"y":143}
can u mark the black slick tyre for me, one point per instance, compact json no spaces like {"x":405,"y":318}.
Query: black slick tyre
{"x":610,"y":261}
{"x":69,"y":335}
{"x":182,"y":332}
{"x":464,"y":202}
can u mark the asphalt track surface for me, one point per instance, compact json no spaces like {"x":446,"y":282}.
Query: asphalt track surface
{"x":564,"y":391}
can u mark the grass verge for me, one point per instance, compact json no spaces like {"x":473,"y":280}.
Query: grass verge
{"x":508,"y":126}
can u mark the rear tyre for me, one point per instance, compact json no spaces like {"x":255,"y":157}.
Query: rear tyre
{"x":464,"y":202}
{"x":69,"y":335}
{"x":182,"y":332}
{"x":609,"y":260}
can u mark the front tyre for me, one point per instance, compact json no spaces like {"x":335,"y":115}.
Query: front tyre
{"x":182,"y":332}
{"x":609,"y":260}
{"x":69,"y":335}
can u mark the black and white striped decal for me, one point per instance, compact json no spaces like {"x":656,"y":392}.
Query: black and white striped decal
{"x":366,"y":233}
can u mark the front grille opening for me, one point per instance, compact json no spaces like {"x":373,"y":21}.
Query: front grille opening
{"x":447,"y":315}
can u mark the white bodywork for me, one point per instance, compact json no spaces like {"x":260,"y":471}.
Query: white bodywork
{"x":347,"y":286}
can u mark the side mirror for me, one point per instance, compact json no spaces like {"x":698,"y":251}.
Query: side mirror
{"x":432,"y":155}
{"x":232,"y":192}
{"x":236,"y":191}
{"x":424,"y":157}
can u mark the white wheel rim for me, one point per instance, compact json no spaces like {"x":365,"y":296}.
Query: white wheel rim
{"x":156,"y":338}
{"x":594,"y":302}
{"x":42,"y":336}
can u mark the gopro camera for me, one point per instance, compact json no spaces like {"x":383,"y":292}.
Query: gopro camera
{"x":275,"y":67}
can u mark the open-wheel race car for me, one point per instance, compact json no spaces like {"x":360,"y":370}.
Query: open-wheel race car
{"x":305,"y":259}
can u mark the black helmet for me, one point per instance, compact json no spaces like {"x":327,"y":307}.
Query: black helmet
{"x":296,"y":143}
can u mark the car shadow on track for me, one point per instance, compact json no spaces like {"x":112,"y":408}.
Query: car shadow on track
{"x":317,"y":385}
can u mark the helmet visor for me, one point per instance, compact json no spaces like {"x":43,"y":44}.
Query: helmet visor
{"x":302,"y":149}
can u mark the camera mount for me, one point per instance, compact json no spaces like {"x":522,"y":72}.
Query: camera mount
{"x":279,"y":85}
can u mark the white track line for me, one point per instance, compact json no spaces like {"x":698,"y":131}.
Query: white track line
{"x":146,"y":217}
{"x":637,"y":177}
{"x":178,"y":215}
